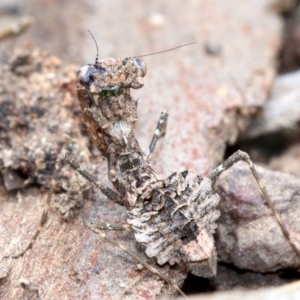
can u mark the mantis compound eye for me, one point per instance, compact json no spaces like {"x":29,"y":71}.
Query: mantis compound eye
{"x":86,"y":74}
{"x":141,"y":65}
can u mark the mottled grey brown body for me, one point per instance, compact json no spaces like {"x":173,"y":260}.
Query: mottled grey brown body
{"x":173,"y":218}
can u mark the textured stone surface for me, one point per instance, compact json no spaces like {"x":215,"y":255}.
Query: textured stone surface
{"x":282,"y":110}
{"x":287,"y":292}
{"x":287,"y":162}
{"x":248,"y":235}
{"x":209,"y":99}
